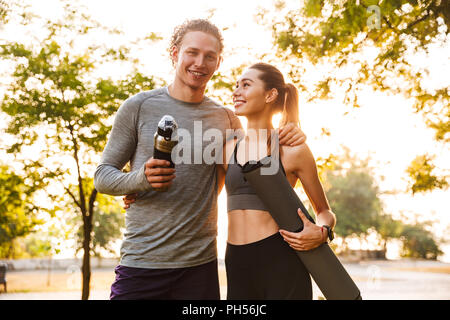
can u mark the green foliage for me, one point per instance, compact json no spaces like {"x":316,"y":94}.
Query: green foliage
{"x":62,"y":97}
{"x":17,"y":211}
{"x":352,"y":193}
{"x":222,"y":84}
{"x":374,"y":39}
{"x":325,"y":165}
{"x":107,"y":226}
{"x":419,"y":243}
{"x":388,"y":228}
{"x":55,"y":94}
{"x":421,"y":175}
{"x":3,"y":11}
{"x":353,"y":197}
{"x":55,"y":97}
{"x":338,"y":32}
{"x":313,"y":8}
{"x":37,"y":248}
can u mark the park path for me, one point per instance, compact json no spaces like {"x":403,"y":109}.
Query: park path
{"x":377,"y":280}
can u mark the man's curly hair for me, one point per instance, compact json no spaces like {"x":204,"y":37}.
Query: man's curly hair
{"x":195,"y":25}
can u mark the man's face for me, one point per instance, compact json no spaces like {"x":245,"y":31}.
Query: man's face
{"x":196,"y":59}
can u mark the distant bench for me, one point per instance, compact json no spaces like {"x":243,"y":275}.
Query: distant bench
{"x":3,"y":269}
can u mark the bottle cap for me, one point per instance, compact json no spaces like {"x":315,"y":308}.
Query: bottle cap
{"x":166,"y":126}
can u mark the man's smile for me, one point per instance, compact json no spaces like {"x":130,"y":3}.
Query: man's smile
{"x":197,"y":73}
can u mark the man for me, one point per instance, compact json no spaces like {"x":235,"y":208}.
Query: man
{"x":169,"y":248}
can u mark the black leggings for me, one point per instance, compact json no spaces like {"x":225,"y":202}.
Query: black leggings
{"x":268,"y":269}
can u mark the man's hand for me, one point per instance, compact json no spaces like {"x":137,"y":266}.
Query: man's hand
{"x":158,"y":174}
{"x":291,"y":135}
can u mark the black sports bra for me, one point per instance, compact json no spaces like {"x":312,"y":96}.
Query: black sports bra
{"x":240,"y":194}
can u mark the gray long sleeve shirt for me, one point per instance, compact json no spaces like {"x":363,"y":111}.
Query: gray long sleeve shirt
{"x":176,"y":228}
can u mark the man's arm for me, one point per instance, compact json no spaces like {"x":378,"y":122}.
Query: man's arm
{"x":119,"y":150}
{"x":221,"y":172}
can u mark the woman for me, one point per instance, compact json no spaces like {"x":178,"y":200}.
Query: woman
{"x":260,"y":262}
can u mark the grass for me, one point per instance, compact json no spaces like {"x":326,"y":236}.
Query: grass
{"x":59,"y":280}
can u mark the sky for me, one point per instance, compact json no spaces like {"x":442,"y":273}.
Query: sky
{"x":384,"y":128}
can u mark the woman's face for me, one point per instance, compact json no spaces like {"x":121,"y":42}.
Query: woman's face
{"x":249,"y":97}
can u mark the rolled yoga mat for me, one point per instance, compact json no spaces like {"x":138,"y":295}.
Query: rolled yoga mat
{"x":277,"y":194}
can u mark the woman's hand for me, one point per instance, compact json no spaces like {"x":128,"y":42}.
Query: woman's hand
{"x":129,"y":199}
{"x":309,"y":238}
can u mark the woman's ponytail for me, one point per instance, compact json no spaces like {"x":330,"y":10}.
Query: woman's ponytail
{"x":290,"y":110}
{"x":287,"y":100}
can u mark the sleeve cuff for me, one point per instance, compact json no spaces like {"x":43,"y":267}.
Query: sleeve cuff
{"x":144,"y":185}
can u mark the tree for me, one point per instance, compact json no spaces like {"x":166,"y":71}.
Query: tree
{"x":422,"y":178}
{"x":17,"y":210}
{"x":56,"y":100}
{"x":388,"y":228}
{"x":3,"y":11}
{"x":108,"y":223}
{"x":353,"y":197}
{"x":37,"y":246}
{"x":368,"y":43}
{"x":419,"y":242}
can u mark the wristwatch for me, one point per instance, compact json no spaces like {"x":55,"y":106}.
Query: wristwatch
{"x":330,"y":232}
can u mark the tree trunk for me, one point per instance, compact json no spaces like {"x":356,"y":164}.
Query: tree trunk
{"x":86,"y":268}
{"x":49,"y":270}
{"x":10,"y":251}
{"x":385,"y":248}
{"x":87,"y":227}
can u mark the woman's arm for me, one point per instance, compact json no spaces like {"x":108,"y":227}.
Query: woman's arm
{"x":300,"y":162}
{"x":305,"y":169}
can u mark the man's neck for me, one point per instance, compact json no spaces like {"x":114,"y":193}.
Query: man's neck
{"x":182,"y":92}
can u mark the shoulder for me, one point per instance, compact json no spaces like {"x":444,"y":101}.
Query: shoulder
{"x":296,"y":152}
{"x":297,"y":157}
{"x":133,"y":103}
{"x":140,"y":97}
{"x":211,"y":102}
{"x":234,"y":121}
{"x":232,"y":117}
{"x":214,"y":104}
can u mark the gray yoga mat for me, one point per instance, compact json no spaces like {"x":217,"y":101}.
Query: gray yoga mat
{"x":277,"y":194}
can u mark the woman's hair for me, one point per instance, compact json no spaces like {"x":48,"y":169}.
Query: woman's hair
{"x":287,"y":99}
{"x":195,"y":25}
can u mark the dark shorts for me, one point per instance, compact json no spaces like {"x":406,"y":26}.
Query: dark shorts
{"x":268,"y":269}
{"x":191,"y":283}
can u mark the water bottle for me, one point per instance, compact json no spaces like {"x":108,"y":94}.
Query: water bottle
{"x":165,"y":140}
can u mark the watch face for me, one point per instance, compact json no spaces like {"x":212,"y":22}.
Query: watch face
{"x":330,"y":232}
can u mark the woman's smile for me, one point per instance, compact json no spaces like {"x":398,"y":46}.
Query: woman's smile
{"x":239,"y":102}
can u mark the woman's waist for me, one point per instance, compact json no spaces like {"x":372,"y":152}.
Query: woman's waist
{"x":246,"y":226}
